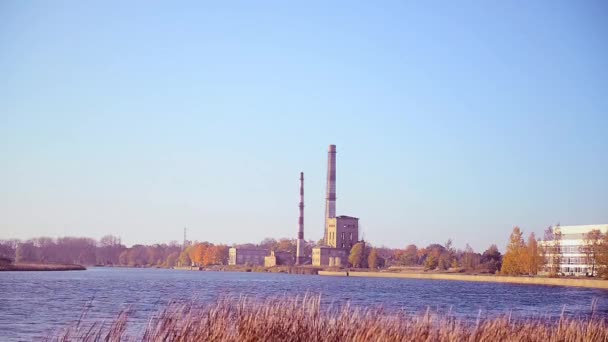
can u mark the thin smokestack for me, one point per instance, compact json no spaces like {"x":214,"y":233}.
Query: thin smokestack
{"x":330,"y":200}
{"x":300,"y":243}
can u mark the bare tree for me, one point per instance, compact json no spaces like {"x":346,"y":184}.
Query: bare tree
{"x":591,"y":247}
{"x":556,"y":256}
{"x":470,"y":260}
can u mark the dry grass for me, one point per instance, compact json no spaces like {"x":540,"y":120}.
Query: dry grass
{"x":303,"y":319}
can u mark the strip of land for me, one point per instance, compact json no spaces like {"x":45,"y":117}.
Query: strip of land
{"x":588,"y":283}
{"x":310,"y":270}
{"x":41,"y":267}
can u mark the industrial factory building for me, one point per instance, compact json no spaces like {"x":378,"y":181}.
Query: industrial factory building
{"x":247,"y":256}
{"x":329,"y":256}
{"x":341,"y":233}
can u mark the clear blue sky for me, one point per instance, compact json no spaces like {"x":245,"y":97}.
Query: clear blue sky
{"x":451,"y":119}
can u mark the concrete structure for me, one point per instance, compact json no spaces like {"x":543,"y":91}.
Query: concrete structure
{"x":568,"y":242}
{"x":330,"y":198}
{"x":300,"y":256}
{"x":278,"y":258}
{"x":585,"y":282}
{"x":271,"y":260}
{"x":328,"y":256}
{"x":342,"y":232}
{"x":247,"y":256}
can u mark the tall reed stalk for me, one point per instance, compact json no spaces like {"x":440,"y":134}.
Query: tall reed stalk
{"x":304,"y":319}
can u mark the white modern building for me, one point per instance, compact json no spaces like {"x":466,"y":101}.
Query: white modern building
{"x":569,"y":243}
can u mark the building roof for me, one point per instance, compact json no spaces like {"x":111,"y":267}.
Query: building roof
{"x":257,"y":249}
{"x":582,"y":229}
{"x":347,"y":217}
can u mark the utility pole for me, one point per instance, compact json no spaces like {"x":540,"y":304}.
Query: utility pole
{"x":185,"y":239}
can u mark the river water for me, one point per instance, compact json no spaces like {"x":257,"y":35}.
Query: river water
{"x":36,"y":304}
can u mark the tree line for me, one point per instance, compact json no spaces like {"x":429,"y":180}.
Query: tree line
{"x":203,"y":254}
{"x":522,"y":257}
{"x":432,"y":257}
{"x":534,"y":256}
{"x":109,"y":250}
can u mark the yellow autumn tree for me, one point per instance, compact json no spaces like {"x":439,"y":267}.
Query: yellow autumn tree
{"x":372,"y":259}
{"x":198,"y":253}
{"x":532,"y":258}
{"x":513,"y":263}
{"x":220,"y":255}
{"x":357,"y":257}
{"x":185,"y":258}
{"x":208,"y":257}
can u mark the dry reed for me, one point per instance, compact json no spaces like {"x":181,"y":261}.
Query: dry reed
{"x":304,"y":319}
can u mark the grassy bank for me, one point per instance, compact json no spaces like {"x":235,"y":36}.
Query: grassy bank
{"x":41,"y":267}
{"x":292,"y":319}
{"x":589,"y":283}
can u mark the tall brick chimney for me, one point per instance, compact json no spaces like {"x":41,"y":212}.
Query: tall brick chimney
{"x":330,"y":199}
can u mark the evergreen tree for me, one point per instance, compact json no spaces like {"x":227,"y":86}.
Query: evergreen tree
{"x":492,"y":259}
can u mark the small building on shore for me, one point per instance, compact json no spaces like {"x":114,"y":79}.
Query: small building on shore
{"x":329,"y":256}
{"x":279,"y":258}
{"x":247,"y":256}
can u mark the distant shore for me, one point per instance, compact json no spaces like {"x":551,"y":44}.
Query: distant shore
{"x":41,"y":267}
{"x":588,"y":283}
{"x":309,"y":270}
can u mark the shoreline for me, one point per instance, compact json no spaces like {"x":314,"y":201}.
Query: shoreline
{"x":40,"y":267}
{"x":304,"y":270}
{"x":307,"y":270}
{"x":570,"y":282}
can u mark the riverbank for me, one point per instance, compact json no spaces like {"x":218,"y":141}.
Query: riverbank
{"x":308,"y":270}
{"x":588,"y":283}
{"x":41,"y":267}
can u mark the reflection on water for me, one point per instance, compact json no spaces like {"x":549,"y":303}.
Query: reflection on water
{"x":34,"y":304}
